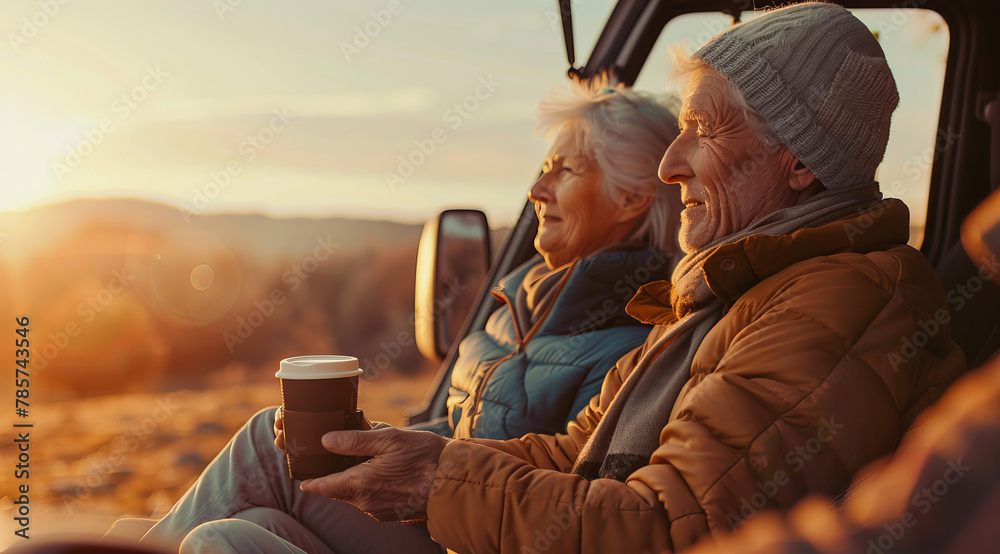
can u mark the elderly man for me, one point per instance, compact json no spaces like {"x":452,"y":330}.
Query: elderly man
{"x":940,"y":491}
{"x":795,"y":342}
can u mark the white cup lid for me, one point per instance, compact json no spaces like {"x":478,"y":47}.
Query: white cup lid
{"x":318,"y":367}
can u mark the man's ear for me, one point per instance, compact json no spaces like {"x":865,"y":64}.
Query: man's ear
{"x":631,"y":205}
{"x":801,"y":177}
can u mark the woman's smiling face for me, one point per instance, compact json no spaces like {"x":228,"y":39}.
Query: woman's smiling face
{"x":574,"y":217}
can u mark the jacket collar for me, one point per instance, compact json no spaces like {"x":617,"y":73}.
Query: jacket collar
{"x":735,"y":268}
{"x":598,"y":290}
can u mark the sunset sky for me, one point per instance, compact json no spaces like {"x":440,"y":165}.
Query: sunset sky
{"x":291,"y":109}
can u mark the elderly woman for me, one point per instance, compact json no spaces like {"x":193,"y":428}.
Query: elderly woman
{"x":603,"y":231}
{"x":605,"y":228}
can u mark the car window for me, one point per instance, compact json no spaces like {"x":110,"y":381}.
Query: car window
{"x":915,"y":42}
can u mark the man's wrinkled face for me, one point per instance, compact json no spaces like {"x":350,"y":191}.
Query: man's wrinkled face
{"x":728,"y":177}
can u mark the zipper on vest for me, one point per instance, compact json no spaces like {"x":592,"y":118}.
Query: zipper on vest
{"x":522,"y":343}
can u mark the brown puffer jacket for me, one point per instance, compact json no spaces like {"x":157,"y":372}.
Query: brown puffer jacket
{"x":834,"y":339}
{"x":940,"y":492}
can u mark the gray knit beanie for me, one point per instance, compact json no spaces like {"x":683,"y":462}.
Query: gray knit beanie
{"x":819,"y":79}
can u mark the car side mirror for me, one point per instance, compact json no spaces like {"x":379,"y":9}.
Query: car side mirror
{"x":452,"y":261}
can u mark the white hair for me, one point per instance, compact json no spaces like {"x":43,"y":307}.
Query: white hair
{"x":626,"y":134}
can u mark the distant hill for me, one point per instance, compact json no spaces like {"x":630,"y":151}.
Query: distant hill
{"x":127,"y":295}
{"x":266,"y":237}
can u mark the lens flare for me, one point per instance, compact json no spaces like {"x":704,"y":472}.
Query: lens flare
{"x":202,"y":276}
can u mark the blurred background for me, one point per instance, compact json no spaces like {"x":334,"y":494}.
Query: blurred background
{"x":191,"y":191}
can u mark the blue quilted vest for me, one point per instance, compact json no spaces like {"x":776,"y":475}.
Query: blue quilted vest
{"x":502,"y":390}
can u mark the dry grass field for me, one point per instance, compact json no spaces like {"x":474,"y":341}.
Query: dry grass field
{"x":96,"y":459}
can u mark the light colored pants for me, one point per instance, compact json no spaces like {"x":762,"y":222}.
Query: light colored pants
{"x":245,"y":502}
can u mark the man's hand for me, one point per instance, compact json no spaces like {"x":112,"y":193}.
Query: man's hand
{"x":394,"y":485}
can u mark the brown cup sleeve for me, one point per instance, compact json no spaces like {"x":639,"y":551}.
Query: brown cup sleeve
{"x":306,"y":429}
{"x":355,"y":421}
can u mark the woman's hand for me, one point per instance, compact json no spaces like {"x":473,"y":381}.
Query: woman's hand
{"x":376,"y":424}
{"x":395,"y":484}
{"x":279,"y":424}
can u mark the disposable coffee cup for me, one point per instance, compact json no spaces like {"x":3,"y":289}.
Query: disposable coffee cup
{"x":319,"y":394}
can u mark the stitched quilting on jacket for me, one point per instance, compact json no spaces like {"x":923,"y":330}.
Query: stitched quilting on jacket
{"x":939,"y":492}
{"x":505,"y":387}
{"x":824,"y":356}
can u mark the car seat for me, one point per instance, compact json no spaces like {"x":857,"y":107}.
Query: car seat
{"x":974,"y":302}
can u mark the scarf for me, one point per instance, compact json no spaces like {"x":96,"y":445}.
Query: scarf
{"x":628,"y":433}
{"x":537,"y":294}
{"x":541,"y":286}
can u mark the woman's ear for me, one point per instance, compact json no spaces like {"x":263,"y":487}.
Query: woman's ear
{"x":801,"y":177}
{"x":631,"y":205}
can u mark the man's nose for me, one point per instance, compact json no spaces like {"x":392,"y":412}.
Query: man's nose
{"x":674,"y":167}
